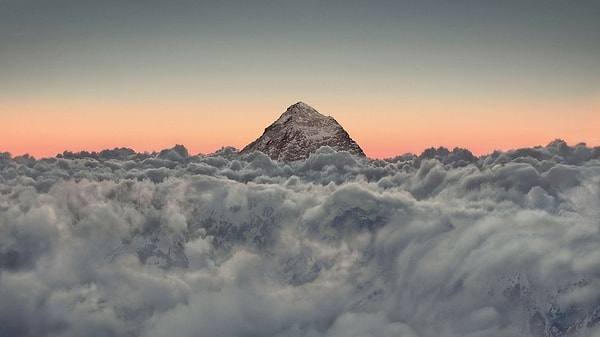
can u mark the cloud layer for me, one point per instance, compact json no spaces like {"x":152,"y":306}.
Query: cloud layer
{"x":118,"y":243}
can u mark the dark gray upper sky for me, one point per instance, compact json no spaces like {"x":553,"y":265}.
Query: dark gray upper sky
{"x":71,"y":45}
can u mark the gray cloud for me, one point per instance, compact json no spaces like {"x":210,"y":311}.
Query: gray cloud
{"x":118,"y":243}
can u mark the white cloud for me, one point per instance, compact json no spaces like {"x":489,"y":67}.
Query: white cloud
{"x":123,"y":244}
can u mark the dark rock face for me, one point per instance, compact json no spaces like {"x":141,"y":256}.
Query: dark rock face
{"x":300,"y":131}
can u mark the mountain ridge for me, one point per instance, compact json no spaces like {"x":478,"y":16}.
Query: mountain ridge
{"x":300,"y":131}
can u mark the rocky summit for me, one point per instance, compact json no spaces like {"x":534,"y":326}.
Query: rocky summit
{"x":300,"y":131}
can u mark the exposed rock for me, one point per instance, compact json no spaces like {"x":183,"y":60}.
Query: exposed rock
{"x":300,"y":131}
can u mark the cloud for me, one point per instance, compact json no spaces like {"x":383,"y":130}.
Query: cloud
{"x":119,"y":243}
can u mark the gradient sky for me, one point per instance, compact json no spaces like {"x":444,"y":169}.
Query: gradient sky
{"x":400,"y":76}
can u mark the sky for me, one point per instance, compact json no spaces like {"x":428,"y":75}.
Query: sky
{"x":399,"y":76}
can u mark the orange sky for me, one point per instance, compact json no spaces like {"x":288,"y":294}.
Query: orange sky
{"x":400,"y":76}
{"x":47,"y":127}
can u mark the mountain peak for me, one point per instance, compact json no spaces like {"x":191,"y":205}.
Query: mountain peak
{"x":301,"y":105}
{"x":300,"y":131}
{"x":301,"y":108}
{"x":301,"y":113}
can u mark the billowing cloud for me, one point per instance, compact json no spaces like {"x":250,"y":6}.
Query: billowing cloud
{"x":118,"y":243}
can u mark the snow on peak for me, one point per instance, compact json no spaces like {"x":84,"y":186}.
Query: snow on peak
{"x":301,"y":105}
{"x":300,"y":112}
{"x":300,"y":131}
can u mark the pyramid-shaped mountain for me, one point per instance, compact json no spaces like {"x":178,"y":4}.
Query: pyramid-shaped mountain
{"x":300,"y":131}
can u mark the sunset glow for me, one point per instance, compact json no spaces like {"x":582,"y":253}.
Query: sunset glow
{"x":48,"y":128}
{"x":91,"y":77}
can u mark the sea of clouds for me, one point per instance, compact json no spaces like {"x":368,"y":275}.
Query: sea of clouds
{"x":118,"y":243}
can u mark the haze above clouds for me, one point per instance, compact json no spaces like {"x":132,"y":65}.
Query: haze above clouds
{"x":119,"y":243}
